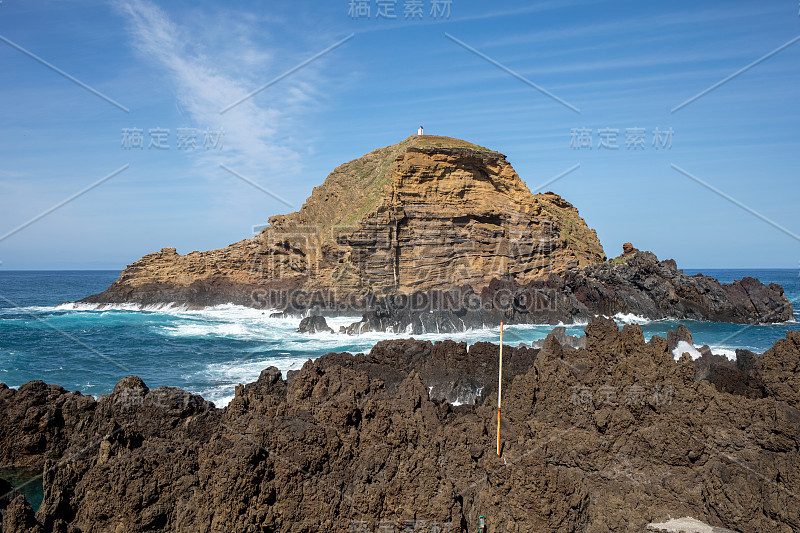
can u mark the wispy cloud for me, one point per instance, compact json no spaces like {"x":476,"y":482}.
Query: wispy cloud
{"x":207,"y":78}
{"x":641,"y":25}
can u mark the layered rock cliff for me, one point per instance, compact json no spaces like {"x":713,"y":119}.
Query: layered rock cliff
{"x":427,"y":213}
{"x":608,"y":437}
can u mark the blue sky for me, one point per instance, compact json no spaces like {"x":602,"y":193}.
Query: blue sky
{"x":174,"y":66}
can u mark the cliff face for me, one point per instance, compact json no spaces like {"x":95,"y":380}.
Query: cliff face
{"x":608,"y":437}
{"x":427,"y":213}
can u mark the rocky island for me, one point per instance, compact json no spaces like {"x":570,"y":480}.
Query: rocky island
{"x":413,"y":216}
{"x":437,"y":234}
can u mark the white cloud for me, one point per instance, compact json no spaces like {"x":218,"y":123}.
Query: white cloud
{"x":207,"y":77}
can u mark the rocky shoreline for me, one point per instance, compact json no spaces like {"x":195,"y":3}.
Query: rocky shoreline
{"x":611,"y":436}
{"x":636,"y":283}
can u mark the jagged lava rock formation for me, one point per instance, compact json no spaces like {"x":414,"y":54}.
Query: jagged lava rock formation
{"x":608,"y":437}
{"x":634,"y":283}
{"x":427,"y":213}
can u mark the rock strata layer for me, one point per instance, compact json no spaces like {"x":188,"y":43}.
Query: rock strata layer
{"x":609,"y":437}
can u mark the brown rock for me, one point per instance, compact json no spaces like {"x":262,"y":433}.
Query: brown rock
{"x":427,"y":213}
{"x":681,"y":333}
{"x":18,"y":517}
{"x":779,"y":368}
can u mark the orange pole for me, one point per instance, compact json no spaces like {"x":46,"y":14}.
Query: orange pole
{"x":498,"y":431}
{"x":500,"y":388}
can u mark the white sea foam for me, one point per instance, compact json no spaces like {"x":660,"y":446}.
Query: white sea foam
{"x":231,"y":373}
{"x":685,"y":347}
{"x":231,"y":310}
{"x":220,"y":401}
{"x":578,"y":323}
{"x":227,"y":321}
{"x":727,"y":352}
{"x":466,"y":396}
{"x":222,"y":310}
{"x":336,"y":322}
{"x":694,"y":351}
{"x":630,"y":318}
{"x":239,"y":331}
{"x":32,"y":309}
{"x":81,"y":306}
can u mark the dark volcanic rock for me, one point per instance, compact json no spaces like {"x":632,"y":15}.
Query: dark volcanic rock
{"x":609,"y":437}
{"x":45,"y":416}
{"x":640,"y":285}
{"x":779,"y":368}
{"x":727,"y":376}
{"x":567,"y":341}
{"x":18,"y":517}
{"x":681,"y":333}
{"x":314,"y":324}
{"x":7,"y":495}
{"x":451,"y":371}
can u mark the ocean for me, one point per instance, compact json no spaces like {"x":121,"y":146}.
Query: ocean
{"x":210,"y":351}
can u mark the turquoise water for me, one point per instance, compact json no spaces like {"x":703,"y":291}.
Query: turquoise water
{"x":27,"y":481}
{"x":209,"y":351}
